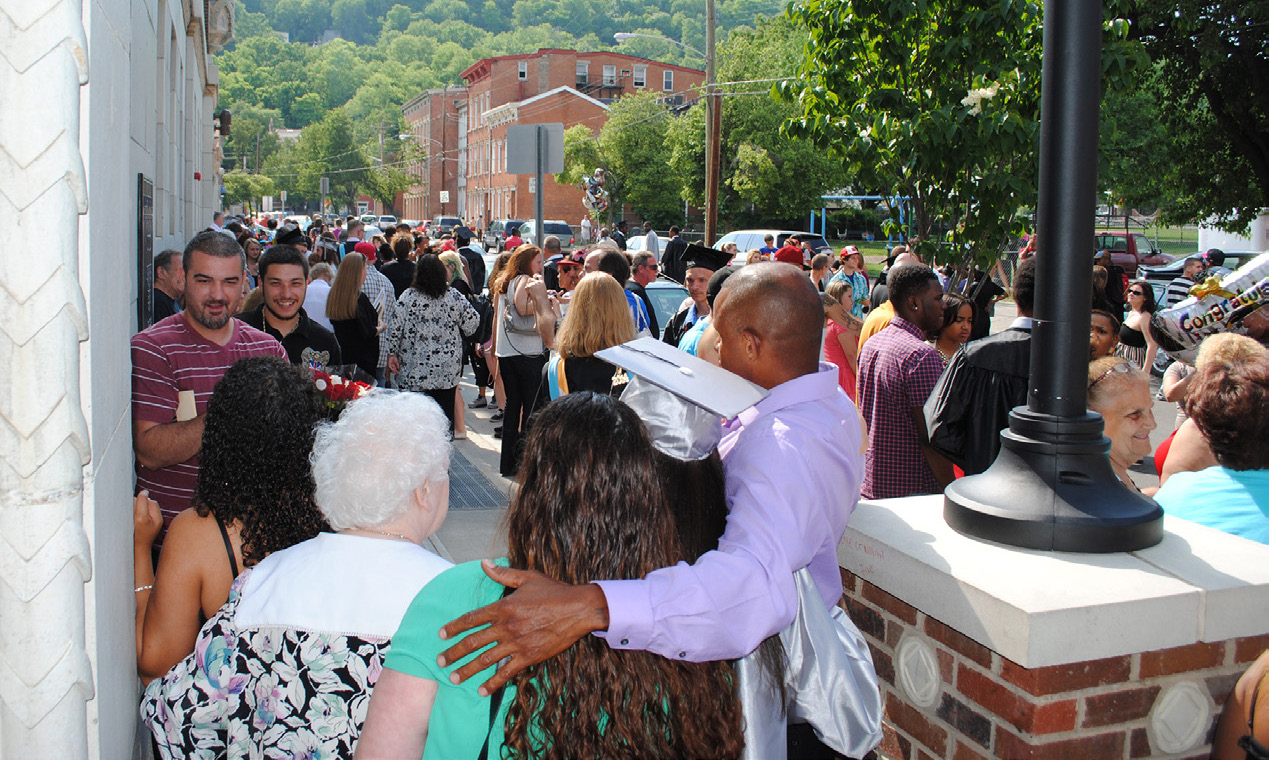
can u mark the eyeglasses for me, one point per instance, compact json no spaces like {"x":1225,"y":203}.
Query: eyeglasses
{"x":1136,"y":292}
{"x":653,"y":267}
{"x":1121,"y":368}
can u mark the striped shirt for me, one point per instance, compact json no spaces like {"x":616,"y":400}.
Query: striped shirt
{"x":897,"y":372}
{"x":1177,"y":291}
{"x":172,"y":357}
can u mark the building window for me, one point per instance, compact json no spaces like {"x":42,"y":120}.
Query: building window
{"x":640,"y":76}
{"x":610,"y":75}
{"x":583,"y":72}
{"x":667,"y":80}
{"x":523,"y":70}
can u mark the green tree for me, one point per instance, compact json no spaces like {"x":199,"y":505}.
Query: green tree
{"x":632,"y":148}
{"x":581,"y":158}
{"x":244,"y":188}
{"x":328,"y":149}
{"x":941,"y":106}
{"x":250,"y":137}
{"x":1214,"y":104}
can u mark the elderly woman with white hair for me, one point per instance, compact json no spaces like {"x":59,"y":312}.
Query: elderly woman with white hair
{"x":286,"y":667}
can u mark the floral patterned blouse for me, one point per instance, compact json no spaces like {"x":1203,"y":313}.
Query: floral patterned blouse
{"x":426,"y":335}
{"x":285,"y":690}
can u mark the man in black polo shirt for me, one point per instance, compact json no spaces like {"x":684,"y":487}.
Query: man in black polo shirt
{"x":283,"y":282}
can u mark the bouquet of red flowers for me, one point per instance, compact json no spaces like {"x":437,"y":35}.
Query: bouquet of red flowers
{"x":337,"y":390}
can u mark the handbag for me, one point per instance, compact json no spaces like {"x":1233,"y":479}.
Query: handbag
{"x":513,"y":321}
{"x":829,"y":681}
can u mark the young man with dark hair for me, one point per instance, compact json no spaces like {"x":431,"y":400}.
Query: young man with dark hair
{"x":970,"y":405}
{"x":177,"y":363}
{"x":897,"y":371}
{"x":284,"y":285}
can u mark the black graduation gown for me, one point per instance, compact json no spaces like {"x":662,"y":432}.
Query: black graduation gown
{"x":970,"y":405}
{"x":676,"y":327}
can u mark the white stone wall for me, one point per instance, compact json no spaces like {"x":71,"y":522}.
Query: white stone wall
{"x":94,"y":93}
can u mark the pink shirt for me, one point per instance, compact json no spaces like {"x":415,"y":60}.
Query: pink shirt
{"x":834,"y":354}
{"x":171,"y":357}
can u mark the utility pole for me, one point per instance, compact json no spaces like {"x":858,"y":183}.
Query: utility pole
{"x":713,"y":130}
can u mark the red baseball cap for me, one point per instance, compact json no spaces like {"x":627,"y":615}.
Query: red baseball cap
{"x":365,"y":249}
{"x":789,"y":255}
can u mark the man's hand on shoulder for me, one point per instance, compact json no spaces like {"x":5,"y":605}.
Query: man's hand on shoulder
{"x":541,"y":619}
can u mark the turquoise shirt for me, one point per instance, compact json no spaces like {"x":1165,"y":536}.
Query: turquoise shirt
{"x":1235,"y":501}
{"x":460,"y":716}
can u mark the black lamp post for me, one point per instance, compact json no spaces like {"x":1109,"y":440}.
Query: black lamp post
{"x":1052,"y":487}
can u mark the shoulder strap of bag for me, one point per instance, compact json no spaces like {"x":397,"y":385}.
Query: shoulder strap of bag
{"x":495,"y":703}
{"x":553,"y":376}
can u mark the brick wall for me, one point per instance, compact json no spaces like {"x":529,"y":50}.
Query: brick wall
{"x":985,"y":705}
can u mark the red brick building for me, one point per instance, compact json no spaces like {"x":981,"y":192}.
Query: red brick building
{"x":564,"y":86}
{"x":433,"y":120}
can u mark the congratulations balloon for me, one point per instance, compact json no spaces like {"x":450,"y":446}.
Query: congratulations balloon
{"x":1213,"y":306}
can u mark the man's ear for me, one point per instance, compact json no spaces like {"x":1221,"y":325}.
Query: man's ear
{"x":752,"y":343}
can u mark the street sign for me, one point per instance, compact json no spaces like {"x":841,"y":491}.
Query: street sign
{"x":325,"y":185}
{"x":444,"y":196}
{"x":282,"y":195}
{"x":522,"y":148}
{"x":533,"y":184}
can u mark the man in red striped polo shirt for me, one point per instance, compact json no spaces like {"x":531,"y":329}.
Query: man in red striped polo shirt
{"x":176,"y":364}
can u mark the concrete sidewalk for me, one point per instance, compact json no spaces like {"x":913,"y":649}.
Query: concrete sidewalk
{"x":479,"y":496}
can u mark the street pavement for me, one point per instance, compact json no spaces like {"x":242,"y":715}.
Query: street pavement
{"x":479,"y":496}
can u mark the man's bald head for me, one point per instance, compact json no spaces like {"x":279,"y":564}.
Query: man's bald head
{"x":775,"y":313}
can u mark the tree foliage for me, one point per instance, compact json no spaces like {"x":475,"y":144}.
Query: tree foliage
{"x":937,"y":101}
{"x":1211,"y":80}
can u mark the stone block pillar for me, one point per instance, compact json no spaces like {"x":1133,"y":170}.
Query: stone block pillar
{"x":990,"y":651}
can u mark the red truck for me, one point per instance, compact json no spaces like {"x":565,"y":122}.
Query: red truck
{"x":1130,"y":250}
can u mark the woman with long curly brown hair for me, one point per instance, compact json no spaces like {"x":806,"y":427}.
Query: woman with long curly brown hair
{"x":585,"y":510}
{"x":254,"y":496}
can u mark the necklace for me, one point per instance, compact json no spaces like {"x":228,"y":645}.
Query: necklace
{"x":399,"y":536}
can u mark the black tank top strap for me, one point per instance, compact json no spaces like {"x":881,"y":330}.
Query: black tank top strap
{"x":1254,"y":749}
{"x":229,"y":548}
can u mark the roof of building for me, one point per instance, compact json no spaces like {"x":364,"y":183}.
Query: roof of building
{"x":509,"y":108}
{"x":481,"y":68}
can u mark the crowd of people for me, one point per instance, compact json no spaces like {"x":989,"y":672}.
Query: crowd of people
{"x":295,"y":610}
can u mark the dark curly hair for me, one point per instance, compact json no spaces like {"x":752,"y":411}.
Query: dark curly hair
{"x":431,"y":278}
{"x":257,"y":436}
{"x":585,"y":510}
{"x":1227,"y":402}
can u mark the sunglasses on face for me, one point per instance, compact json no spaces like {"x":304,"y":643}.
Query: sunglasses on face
{"x":1136,"y":293}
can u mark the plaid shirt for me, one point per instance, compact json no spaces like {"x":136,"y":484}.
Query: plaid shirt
{"x":384,"y":298}
{"x":897,"y":372}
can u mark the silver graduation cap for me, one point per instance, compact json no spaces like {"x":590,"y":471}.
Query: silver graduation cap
{"x":680,"y":398}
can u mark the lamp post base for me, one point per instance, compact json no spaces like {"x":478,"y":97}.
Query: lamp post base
{"x":1052,"y":488}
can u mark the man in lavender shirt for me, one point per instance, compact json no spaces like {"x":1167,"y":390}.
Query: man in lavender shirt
{"x":794,"y":465}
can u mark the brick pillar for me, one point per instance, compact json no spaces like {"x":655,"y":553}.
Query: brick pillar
{"x":947,"y":696}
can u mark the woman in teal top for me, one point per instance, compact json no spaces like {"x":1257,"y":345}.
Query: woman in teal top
{"x":1227,"y":402}
{"x":587,"y":508}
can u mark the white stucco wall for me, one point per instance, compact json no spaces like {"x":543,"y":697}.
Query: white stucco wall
{"x":94,"y":93}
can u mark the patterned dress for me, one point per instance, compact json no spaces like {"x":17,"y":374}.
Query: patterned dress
{"x":255,"y":687}
{"x":271,"y":693}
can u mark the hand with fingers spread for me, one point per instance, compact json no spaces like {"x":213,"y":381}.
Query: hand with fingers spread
{"x":542,"y":618}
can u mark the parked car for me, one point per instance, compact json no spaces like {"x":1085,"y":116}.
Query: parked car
{"x":747,"y":240}
{"x":387,"y":221}
{"x":495,"y":237}
{"x":666,"y":296}
{"x":1129,"y":250}
{"x":442,"y":225}
{"x":559,"y":229}
{"x":369,"y":219}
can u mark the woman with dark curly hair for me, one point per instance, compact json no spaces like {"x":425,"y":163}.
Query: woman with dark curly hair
{"x":254,"y":496}
{"x":584,"y":510}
